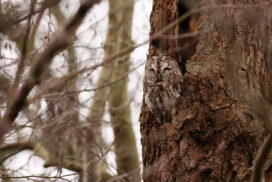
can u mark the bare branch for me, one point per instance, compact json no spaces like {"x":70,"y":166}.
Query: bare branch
{"x":258,"y":170}
{"x":61,"y":39}
{"x":9,"y":23}
{"x":20,"y":67}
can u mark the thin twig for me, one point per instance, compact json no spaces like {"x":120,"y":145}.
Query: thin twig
{"x":9,"y":23}
{"x":61,"y":39}
{"x":24,"y":50}
{"x":259,"y":164}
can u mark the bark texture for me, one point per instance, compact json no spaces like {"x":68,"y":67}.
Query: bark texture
{"x":223,"y":110}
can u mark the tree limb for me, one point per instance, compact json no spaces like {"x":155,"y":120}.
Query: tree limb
{"x":62,"y":38}
{"x":5,"y":25}
{"x":258,"y":169}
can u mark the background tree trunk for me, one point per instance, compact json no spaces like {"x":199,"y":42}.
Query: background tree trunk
{"x":116,"y":94}
{"x":119,"y":104}
{"x":224,"y":108}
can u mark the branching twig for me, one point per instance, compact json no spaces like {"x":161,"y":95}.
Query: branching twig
{"x":9,"y":23}
{"x":61,"y":39}
{"x":24,"y":50}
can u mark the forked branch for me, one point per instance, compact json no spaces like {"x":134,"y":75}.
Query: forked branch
{"x":61,"y":39}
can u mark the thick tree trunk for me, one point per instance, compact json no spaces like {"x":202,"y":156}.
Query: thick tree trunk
{"x":223,"y":111}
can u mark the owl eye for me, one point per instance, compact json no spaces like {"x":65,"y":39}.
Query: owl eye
{"x":152,"y":69}
{"x":167,"y":69}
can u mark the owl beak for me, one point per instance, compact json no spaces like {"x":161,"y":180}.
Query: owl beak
{"x":159,"y":78}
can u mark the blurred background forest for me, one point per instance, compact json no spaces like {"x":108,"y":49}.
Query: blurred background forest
{"x":71,"y":89}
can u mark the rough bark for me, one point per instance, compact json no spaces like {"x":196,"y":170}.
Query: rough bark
{"x":162,"y":14}
{"x":223,"y":110}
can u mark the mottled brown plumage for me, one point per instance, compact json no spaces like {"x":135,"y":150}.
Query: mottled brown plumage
{"x":163,"y":80}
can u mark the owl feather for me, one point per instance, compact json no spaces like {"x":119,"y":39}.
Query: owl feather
{"x":163,"y":80}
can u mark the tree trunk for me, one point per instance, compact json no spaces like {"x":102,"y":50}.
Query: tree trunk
{"x":119,"y":105}
{"x":223,"y":111}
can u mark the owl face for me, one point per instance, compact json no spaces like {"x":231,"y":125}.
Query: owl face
{"x":160,"y":69}
{"x":163,"y":80}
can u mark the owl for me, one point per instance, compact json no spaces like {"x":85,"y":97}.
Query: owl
{"x":163,"y":80}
